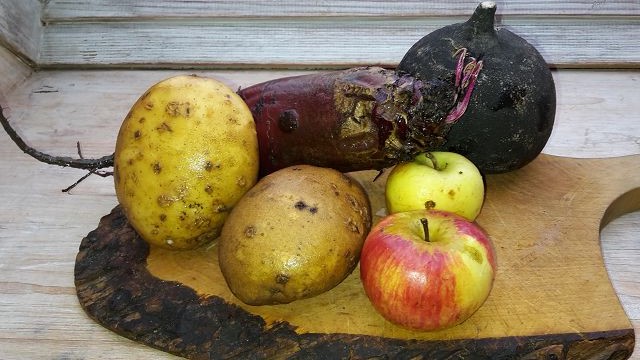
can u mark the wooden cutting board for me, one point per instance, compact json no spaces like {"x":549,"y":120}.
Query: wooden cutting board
{"x":552,"y":297}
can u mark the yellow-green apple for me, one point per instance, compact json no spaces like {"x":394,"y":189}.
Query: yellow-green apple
{"x":427,"y":269}
{"x":436,"y":180}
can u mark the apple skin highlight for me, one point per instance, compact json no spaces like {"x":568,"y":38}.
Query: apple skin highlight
{"x":427,"y":285}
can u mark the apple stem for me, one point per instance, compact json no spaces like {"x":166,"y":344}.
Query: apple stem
{"x":425,"y":228}
{"x":433,"y":160}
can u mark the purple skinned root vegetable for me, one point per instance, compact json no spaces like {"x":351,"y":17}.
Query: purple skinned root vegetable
{"x":357,"y":119}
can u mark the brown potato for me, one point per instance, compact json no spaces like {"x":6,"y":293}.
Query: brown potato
{"x":297,"y":233}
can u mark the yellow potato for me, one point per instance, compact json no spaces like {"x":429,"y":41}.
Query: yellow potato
{"x":294,"y":235}
{"x":185,"y":154}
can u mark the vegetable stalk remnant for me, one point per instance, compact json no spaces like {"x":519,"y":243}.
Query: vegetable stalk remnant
{"x":357,"y":119}
{"x":79,"y":163}
{"x":92,"y":165}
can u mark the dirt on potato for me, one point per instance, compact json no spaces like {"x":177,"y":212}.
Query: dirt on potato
{"x":297,"y":233}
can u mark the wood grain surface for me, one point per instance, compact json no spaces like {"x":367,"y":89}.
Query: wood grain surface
{"x":544,"y":220}
{"x":41,"y":228}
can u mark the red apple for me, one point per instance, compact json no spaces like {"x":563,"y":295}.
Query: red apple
{"x":427,"y":269}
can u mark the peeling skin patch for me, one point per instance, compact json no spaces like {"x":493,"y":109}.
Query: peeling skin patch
{"x":241,"y":181}
{"x":175,"y":108}
{"x":157,"y":168}
{"x":219,"y":206}
{"x":250,"y":231}
{"x":165,"y":200}
{"x":352,"y":226}
{"x":334,"y":187}
{"x":282,"y":279}
{"x":164,"y":127}
{"x":194,"y":206}
{"x":133,"y":176}
{"x":202,"y":221}
{"x":353,"y":202}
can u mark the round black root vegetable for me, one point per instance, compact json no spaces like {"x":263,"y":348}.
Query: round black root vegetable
{"x":511,"y":113}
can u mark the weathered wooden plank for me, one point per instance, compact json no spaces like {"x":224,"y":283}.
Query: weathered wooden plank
{"x":65,"y":10}
{"x":595,"y":98}
{"x":318,"y":42}
{"x":20,"y":29}
{"x":13,"y":71}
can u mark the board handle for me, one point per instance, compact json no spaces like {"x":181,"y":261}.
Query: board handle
{"x":624,"y":204}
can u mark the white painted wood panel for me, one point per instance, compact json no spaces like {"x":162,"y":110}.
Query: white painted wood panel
{"x":20,"y":28}
{"x":65,"y":10}
{"x":13,"y":71}
{"x":319,"y":42}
